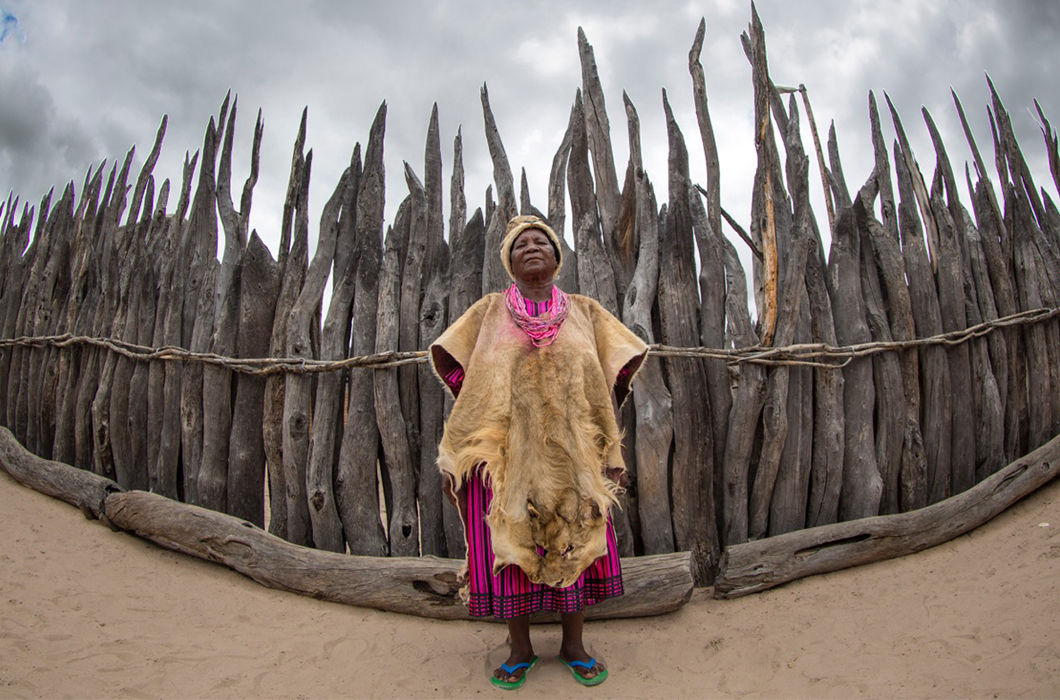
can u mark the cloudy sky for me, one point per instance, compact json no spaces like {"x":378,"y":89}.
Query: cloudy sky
{"x":83,"y":81}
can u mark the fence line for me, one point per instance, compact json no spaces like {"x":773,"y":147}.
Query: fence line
{"x":248,"y":389}
{"x":787,"y":356}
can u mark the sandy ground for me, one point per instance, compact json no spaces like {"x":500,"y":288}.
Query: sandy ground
{"x":87,"y":612}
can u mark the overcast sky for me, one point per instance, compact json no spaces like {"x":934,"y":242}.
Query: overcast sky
{"x":83,"y":81}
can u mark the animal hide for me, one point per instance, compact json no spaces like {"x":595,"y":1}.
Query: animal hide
{"x":541,"y":423}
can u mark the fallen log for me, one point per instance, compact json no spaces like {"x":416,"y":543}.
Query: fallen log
{"x":424,"y":586}
{"x":763,"y":564}
{"x":78,"y":487}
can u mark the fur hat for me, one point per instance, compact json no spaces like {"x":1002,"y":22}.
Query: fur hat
{"x":518,"y":224}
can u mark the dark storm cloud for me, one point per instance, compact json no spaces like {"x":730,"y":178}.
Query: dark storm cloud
{"x":92,"y":79}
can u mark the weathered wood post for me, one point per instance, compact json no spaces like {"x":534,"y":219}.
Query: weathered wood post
{"x":356,"y":485}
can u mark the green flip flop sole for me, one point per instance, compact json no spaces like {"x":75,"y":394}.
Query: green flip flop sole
{"x":512,"y":685}
{"x":575,"y":665}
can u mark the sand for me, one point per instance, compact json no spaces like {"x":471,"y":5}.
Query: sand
{"x":87,"y":612}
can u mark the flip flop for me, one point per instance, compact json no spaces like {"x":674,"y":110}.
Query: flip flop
{"x":518,"y":683}
{"x":575,"y":665}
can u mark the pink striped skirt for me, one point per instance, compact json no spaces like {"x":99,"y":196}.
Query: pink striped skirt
{"x":510,"y":593}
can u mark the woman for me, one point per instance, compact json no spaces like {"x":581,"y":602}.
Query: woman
{"x":531,"y":453}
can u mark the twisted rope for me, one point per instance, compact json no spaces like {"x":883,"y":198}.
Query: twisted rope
{"x":805,"y":354}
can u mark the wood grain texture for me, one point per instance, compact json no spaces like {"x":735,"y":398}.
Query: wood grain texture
{"x":757,"y":566}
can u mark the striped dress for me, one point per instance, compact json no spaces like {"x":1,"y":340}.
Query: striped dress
{"x":510,"y":593}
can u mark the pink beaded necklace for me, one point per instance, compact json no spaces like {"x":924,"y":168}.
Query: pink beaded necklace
{"x":541,"y":329}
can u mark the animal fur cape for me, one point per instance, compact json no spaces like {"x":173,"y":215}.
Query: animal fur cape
{"x":541,"y":423}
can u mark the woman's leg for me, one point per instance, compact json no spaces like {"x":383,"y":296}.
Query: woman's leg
{"x":522,"y":649}
{"x":572,"y":648}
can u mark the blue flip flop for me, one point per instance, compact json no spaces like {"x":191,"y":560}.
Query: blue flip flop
{"x":575,"y":665}
{"x":518,"y":683}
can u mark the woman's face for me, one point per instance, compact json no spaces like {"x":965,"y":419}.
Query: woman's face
{"x":533,"y":257}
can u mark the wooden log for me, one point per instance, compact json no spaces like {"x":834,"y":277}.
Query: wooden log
{"x":882,"y":172}
{"x":259,"y":285}
{"x":862,"y":485}
{"x":956,"y":292}
{"x":397,"y":467}
{"x":890,"y":420}
{"x":772,"y":231}
{"x":1005,"y":349}
{"x":144,"y":452}
{"x":117,"y":371}
{"x":53,"y":289}
{"x":15,"y":239}
{"x":692,"y":486}
{"x":296,"y":509}
{"x":218,"y":382}
{"x":598,"y":137}
{"x":164,"y":378}
{"x":712,"y":328}
{"x":424,"y":586}
{"x":413,"y":269}
{"x":758,"y":566}
{"x":457,"y":199}
{"x":557,"y":197}
{"x":1046,"y":247}
{"x":775,"y":418}
{"x":826,"y":470}
{"x":651,"y":399}
{"x":77,"y":319}
{"x":1040,"y":370}
{"x":596,"y":276}
{"x":129,"y":398}
{"x":198,"y":311}
{"x":356,"y":483}
{"x":789,"y":492}
{"x":989,"y":391}
{"x":884,"y":242}
{"x":935,"y":374}
{"x":298,"y":393}
{"x":706,"y":129}
{"x":34,"y":290}
{"x":464,"y":279}
{"x":950,"y":283}
{"x":327,"y":426}
{"x":432,"y":319}
{"x":915,"y":184}
{"x":910,"y":490}
{"x":293,"y":255}
{"x":748,"y":396}
{"x":494,"y":277}
{"x":43,"y":378}
{"x":112,"y":317}
{"x":787,"y":509}
{"x":99,"y":315}
{"x":78,"y":487}
{"x":617,"y":242}
{"x":18,"y":314}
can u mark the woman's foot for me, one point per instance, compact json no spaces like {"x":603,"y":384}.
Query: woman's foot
{"x":514,"y":662}
{"x":579,"y":656}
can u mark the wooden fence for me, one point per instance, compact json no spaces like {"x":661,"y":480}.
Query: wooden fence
{"x":124,"y":341}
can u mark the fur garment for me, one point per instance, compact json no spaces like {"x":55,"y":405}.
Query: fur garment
{"x":542,"y":422}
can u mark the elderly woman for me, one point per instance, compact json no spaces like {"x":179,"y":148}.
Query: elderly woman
{"x":531,"y":451}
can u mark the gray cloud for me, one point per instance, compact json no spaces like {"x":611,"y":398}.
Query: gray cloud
{"x":92,"y":79}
